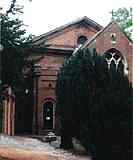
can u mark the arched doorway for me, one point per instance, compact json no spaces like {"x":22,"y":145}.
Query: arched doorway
{"x":48,"y":115}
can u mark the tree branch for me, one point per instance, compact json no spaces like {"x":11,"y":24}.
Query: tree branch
{"x":11,"y":7}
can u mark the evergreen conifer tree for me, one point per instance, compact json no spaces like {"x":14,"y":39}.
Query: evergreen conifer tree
{"x":95,"y":105}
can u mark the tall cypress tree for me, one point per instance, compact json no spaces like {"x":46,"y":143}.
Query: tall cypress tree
{"x":111,"y":116}
{"x":74,"y":92}
{"x":94,"y":104}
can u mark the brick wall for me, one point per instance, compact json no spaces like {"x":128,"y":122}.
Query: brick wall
{"x":103,"y":43}
{"x":51,"y":63}
{"x":68,"y":38}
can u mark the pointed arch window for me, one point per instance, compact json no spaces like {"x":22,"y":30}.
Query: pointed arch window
{"x":115,"y":60}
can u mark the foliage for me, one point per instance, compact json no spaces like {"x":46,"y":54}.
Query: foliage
{"x":74,"y":90}
{"x":78,"y":75}
{"x":93,"y":102}
{"x":111,"y":116}
{"x":13,"y":56}
{"x":13,"y":8}
{"x":124,"y":17}
{"x":14,"y":42}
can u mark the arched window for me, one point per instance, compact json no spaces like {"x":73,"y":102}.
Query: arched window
{"x":81,"y":40}
{"x":48,"y":115}
{"x":114,"y":59}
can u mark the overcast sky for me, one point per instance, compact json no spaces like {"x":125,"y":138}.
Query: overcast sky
{"x":44,"y":15}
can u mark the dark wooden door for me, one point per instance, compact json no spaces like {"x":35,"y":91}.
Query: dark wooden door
{"x":48,"y":115}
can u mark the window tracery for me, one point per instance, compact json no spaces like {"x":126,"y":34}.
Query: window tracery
{"x":115,"y":61}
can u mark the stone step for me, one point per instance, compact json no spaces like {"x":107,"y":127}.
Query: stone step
{"x":45,"y":132}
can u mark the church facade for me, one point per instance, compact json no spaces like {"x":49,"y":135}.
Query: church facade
{"x":51,"y":49}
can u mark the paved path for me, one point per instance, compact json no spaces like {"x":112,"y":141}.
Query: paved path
{"x":20,"y":154}
{"x":21,"y":148}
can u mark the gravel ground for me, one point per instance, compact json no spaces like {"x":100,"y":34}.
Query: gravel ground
{"x":32,"y":147}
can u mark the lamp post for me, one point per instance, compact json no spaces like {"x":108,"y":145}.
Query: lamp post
{"x":36,"y":75}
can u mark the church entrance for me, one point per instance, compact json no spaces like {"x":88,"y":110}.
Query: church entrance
{"x":48,"y":115}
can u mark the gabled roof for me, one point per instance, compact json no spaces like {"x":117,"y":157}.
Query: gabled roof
{"x":95,"y":36}
{"x":84,"y":19}
{"x":88,"y":42}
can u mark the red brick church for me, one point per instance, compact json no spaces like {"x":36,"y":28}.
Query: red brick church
{"x":49,"y":52}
